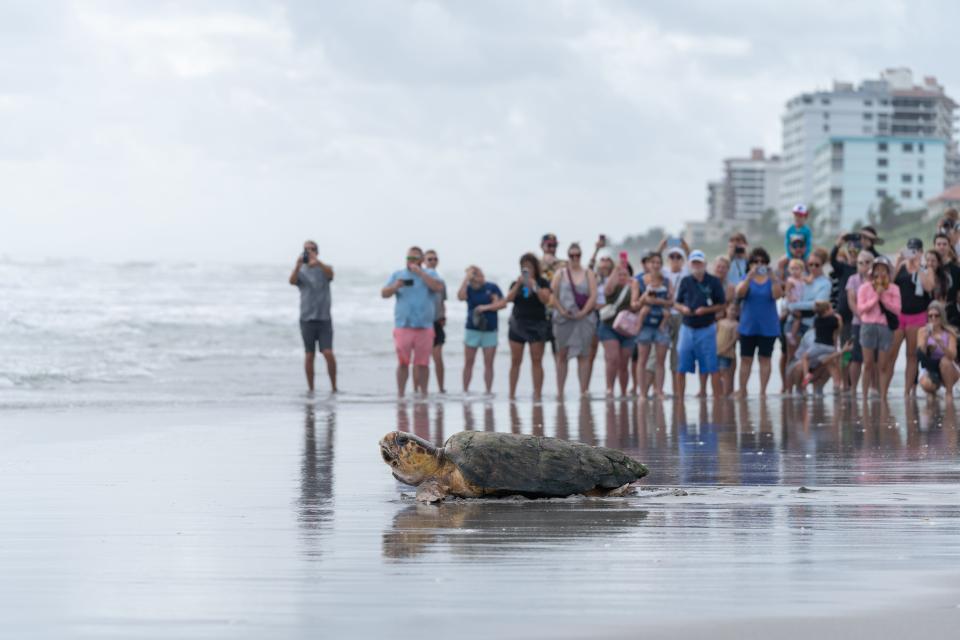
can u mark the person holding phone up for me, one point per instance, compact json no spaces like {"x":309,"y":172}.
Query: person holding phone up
{"x":313,"y":278}
{"x":413,"y":315}
{"x":759,"y":321}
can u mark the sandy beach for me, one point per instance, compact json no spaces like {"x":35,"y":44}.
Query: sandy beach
{"x":282,"y":521}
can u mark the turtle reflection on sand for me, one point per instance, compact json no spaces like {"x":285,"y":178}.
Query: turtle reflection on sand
{"x":491,"y":530}
{"x":481,"y":464}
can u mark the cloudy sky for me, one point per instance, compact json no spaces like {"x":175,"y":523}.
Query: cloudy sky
{"x":231,"y":131}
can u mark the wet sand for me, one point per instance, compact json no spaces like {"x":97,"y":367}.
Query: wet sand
{"x":782,"y":518}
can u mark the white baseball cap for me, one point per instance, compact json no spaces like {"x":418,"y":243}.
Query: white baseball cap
{"x":697,"y":256}
{"x":800,"y":209}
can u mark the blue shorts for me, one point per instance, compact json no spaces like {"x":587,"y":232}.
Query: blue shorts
{"x":697,"y":346}
{"x":605,"y":332}
{"x":724,"y":363}
{"x":651,"y":335}
{"x":480,"y":339}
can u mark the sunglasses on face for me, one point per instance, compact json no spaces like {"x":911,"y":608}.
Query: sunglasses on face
{"x":865,"y":262}
{"x":676,"y":257}
{"x":813,"y":264}
{"x":412,"y":258}
{"x":431,"y":259}
{"x":551,"y":245}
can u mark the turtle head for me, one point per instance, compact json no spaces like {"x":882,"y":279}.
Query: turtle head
{"x":411,"y":459}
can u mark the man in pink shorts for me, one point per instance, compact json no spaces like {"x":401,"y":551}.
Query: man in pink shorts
{"x":413,"y":317}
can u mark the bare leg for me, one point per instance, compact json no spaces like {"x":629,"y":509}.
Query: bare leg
{"x":853,"y":375}
{"x":469,"y":357}
{"x":624,"y":373}
{"x":308,"y":368}
{"x":438,"y":366}
{"x":746,"y":365}
{"x":911,"y":373}
{"x":331,"y":368}
{"x":536,"y":362}
{"x":949,"y":375}
{"x":421,"y":378}
{"x":766,"y":368}
{"x":703,"y":386}
{"x":403,"y":372}
{"x":488,"y":355}
{"x":611,"y":360}
{"x":562,"y":364}
{"x":583,"y":370}
{"x":716,"y":383}
{"x":516,"y":359}
{"x":869,"y":371}
{"x":886,"y":370}
{"x":661,"y":355}
{"x":884,"y":365}
{"x":643,"y":352}
{"x":594,"y":347}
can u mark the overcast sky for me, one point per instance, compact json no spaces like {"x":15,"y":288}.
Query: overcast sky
{"x":232,"y":131}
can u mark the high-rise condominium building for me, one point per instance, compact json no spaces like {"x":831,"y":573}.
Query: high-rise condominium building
{"x":749,"y":187}
{"x":892,"y":110}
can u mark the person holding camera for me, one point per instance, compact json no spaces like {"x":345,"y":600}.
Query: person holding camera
{"x":414,"y":312}
{"x":937,"y":352}
{"x":312,"y":277}
{"x":878,"y":305}
{"x":737,"y":254}
{"x":941,"y":242}
{"x":483,"y":300}
{"x":759,"y":321}
{"x":916,"y":284}
{"x":529,"y":294}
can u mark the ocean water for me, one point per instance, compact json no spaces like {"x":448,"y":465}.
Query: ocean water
{"x":164,"y":474}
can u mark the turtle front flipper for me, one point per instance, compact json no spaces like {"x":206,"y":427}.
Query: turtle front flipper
{"x":431,"y":491}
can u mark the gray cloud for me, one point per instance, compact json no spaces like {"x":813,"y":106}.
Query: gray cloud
{"x":230,"y":131}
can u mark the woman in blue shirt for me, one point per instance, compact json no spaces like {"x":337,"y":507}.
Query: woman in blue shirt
{"x":759,"y":322}
{"x":483,"y":300}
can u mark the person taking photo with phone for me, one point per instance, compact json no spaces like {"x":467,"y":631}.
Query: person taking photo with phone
{"x":312,"y":277}
{"x":413,"y":314}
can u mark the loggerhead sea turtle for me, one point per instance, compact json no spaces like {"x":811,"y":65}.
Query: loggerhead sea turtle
{"x":473,"y":464}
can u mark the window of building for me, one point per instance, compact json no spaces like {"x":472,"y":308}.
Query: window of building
{"x":884,"y":102}
{"x":906,"y":177}
{"x":905,"y":194}
{"x":881,"y":162}
{"x":920,"y":147}
{"x":826,"y":127}
{"x":881,"y":193}
{"x":881,"y":146}
{"x":907,"y":147}
{"x":867,"y":115}
{"x":920,"y":194}
{"x":837,"y":147}
{"x":826,"y":115}
{"x":868,"y":103}
{"x":920,"y":178}
{"x":881,"y":177}
{"x":825,"y":100}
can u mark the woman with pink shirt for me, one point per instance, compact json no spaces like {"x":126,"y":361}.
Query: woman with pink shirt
{"x":875,"y":301}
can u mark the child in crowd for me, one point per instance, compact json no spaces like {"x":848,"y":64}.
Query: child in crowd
{"x":727,"y":336}
{"x":826,"y":327}
{"x":793,"y":290}
{"x":799,"y":231}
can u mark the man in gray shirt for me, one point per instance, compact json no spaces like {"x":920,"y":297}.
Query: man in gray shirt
{"x":313,"y":277}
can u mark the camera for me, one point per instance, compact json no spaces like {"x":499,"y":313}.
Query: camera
{"x":947,"y":225}
{"x":762,"y":270}
{"x":306,"y":256}
{"x":852,"y":237}
{"x":739,"y":250}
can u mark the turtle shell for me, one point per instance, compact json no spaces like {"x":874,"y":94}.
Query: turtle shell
{"x":506,"y":464}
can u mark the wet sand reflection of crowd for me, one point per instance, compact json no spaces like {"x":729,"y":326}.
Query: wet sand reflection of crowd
{"x":314,"y":507}
{"x":733,"y":442}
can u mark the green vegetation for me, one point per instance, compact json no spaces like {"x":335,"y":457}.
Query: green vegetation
{"x":892,"y":224}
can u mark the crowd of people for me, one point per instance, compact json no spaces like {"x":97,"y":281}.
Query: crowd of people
{"x":842,"y":316}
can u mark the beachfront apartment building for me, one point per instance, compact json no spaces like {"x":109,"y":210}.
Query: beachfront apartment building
{"x":891,"y":106}
{"x":748,"y":188}
{"x":851,"y":174}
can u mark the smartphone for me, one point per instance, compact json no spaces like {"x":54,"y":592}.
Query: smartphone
{"x":739,"y":250}
{"x":762,"y":270}
{"x":624,"y":258}
{"x":603,"y":238}
{"x":306,"y":256}
{"x":909,"y":254}
{"x":673,"y":242}
{"x":407,"y":282}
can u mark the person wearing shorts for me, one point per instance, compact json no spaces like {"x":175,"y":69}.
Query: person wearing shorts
{"x":483,"y":300}
{"x":431,"y":259}
{"x":529,"y":294}
{"x":699,"y":298}
{"x":312,"y":277}
{"x":852,"y":331}
{"x":876,"y":336}
{"x":759,"y":322}
{"x":413,"y":315}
